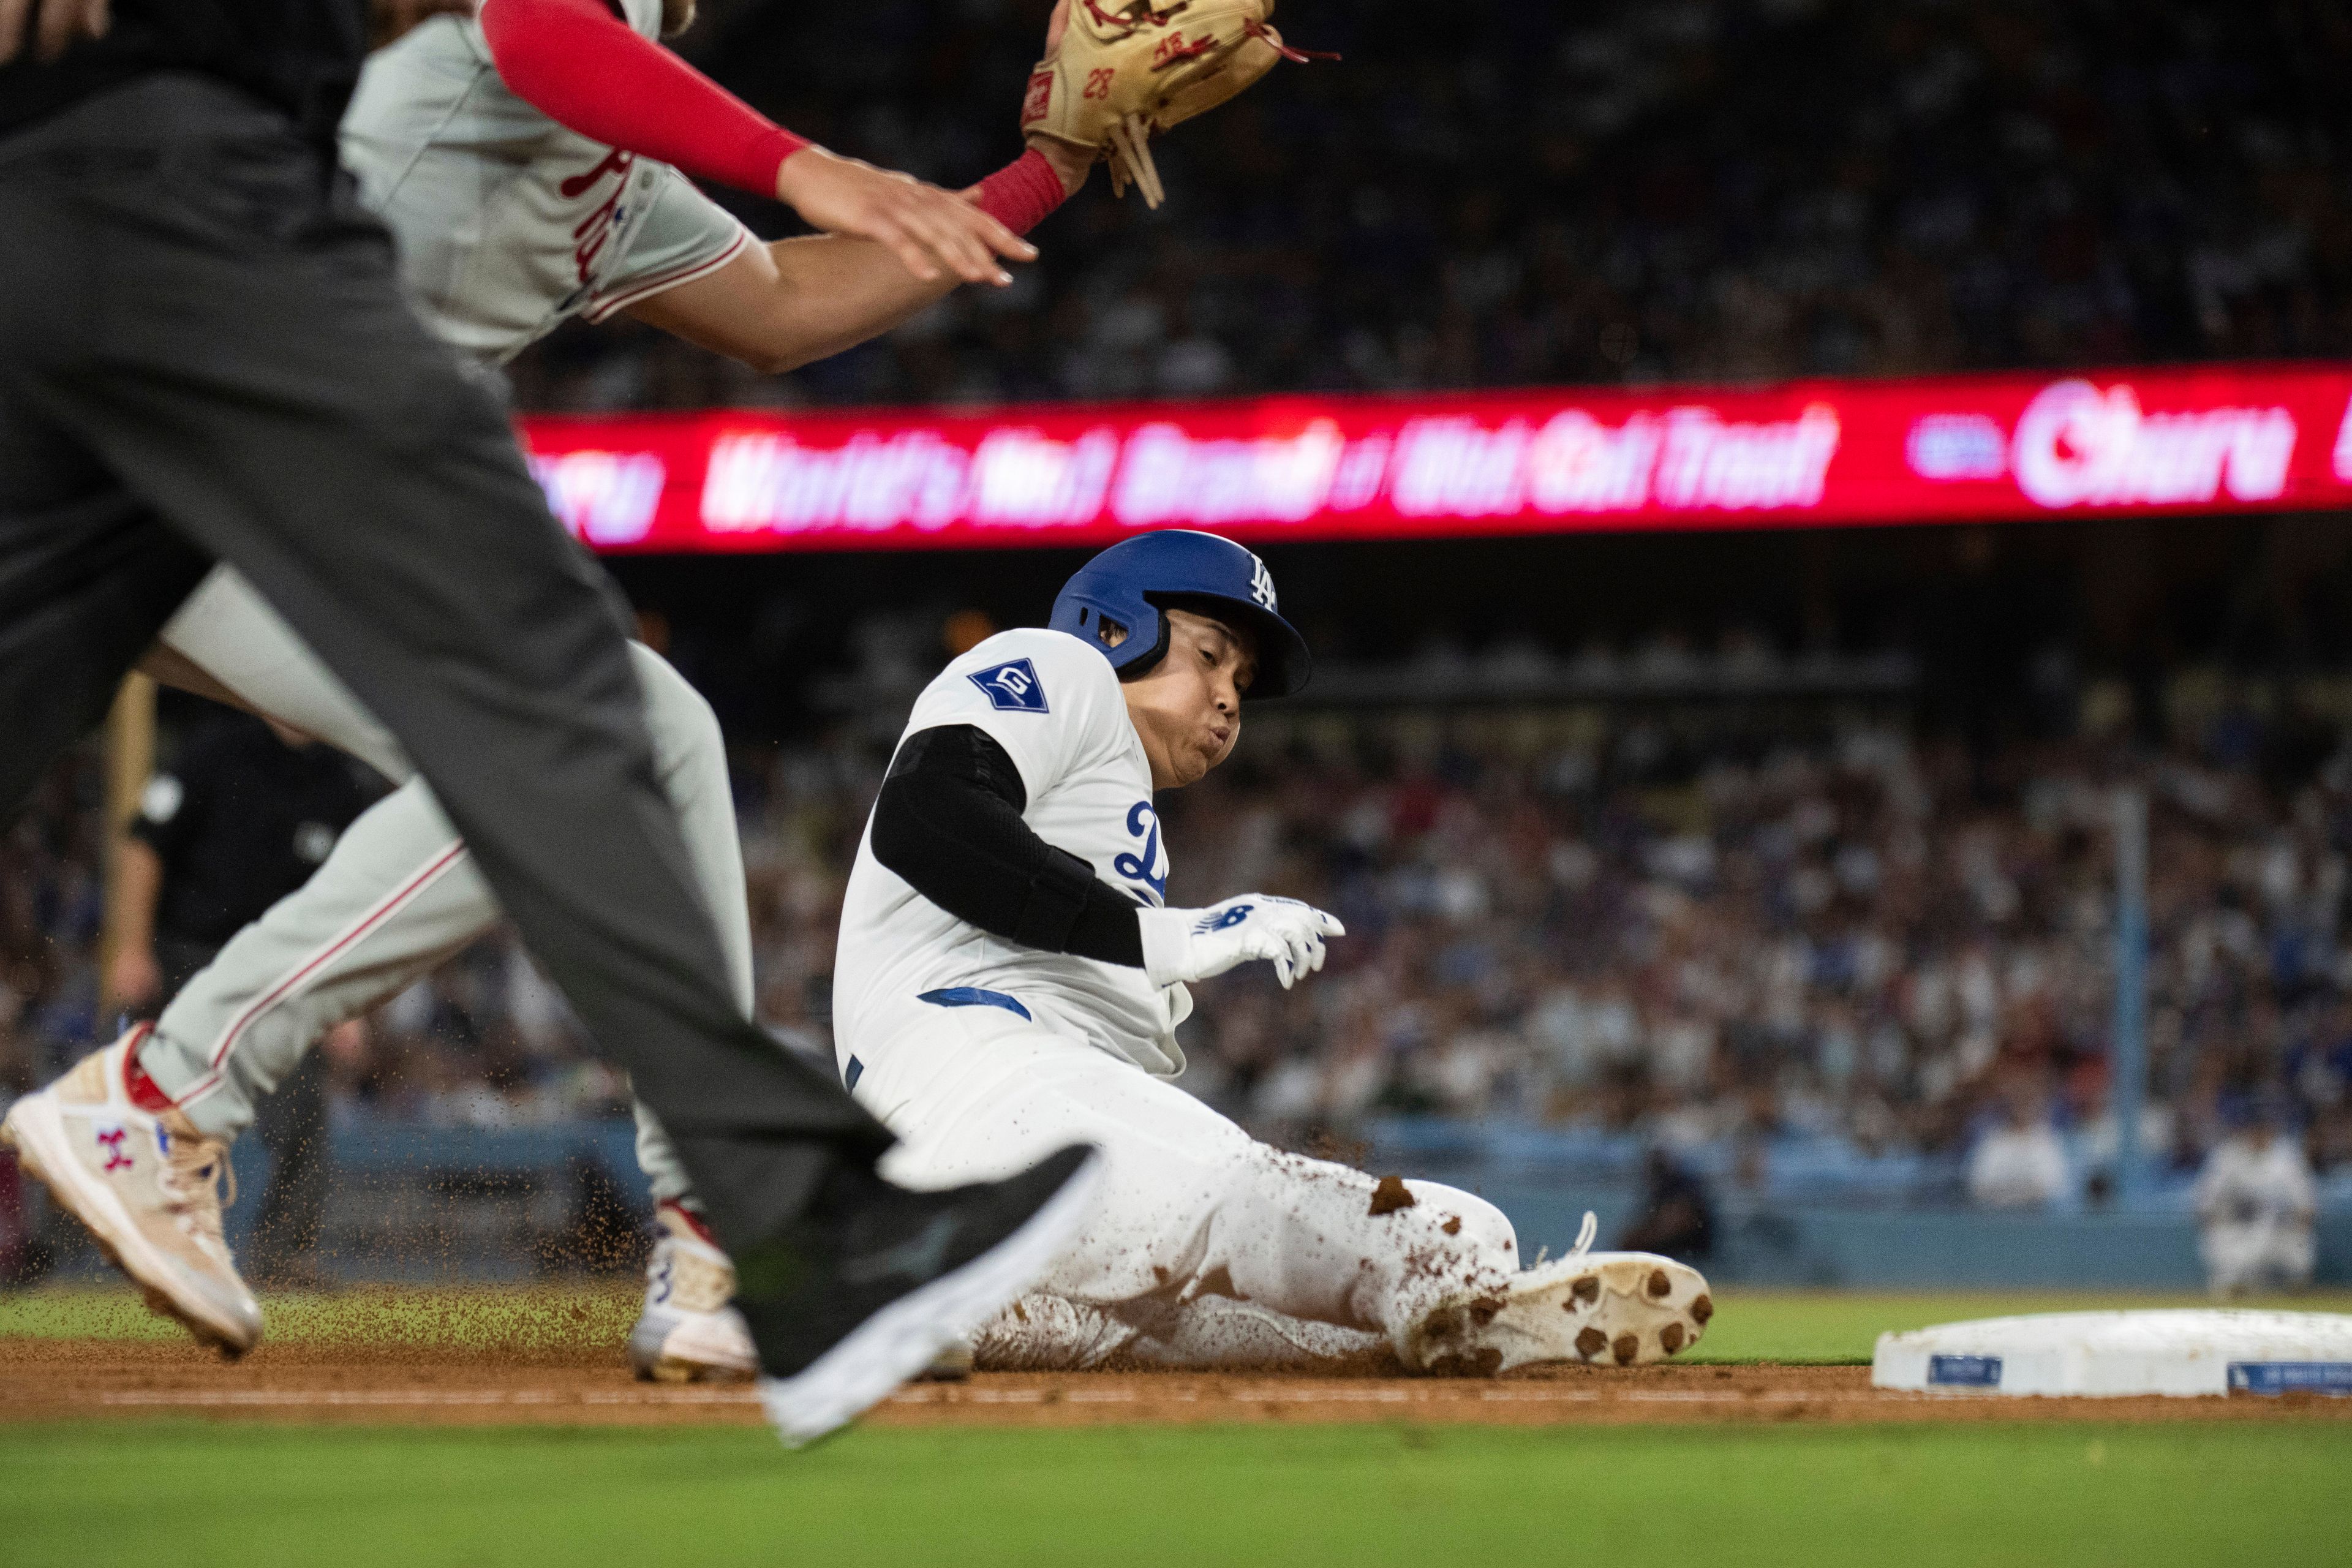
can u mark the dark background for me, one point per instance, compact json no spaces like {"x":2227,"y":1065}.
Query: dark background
{"x":1991,"y":616}
{"x":1498,"y":192}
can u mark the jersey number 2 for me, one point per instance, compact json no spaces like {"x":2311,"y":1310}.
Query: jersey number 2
{"x":1144,"y":823}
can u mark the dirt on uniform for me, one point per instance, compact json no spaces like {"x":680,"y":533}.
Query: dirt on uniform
{"x":71,"y":1379}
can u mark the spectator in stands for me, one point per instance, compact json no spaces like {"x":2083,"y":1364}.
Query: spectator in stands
{"x":2257,"y":1205}
{"x":50,"y":909}
{"x":1595,"y":193}
{"x":240,"y":820}
{"x":2020,"y":1163}
{"x":1816,"y":953}
{"x":16,"y":1250}
{"x":1677,"y":1217}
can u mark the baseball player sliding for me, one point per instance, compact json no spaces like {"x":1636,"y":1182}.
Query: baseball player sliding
{"x":1010,"y":979}
{"x":532,"y":164}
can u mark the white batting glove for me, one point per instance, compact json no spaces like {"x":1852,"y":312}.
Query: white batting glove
{"x":1193,"y":944}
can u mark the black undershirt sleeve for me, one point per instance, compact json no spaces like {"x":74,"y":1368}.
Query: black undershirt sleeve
{"x":949,"y":821}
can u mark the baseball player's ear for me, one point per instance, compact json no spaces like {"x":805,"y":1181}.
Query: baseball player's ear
{"x":1106,"y":631}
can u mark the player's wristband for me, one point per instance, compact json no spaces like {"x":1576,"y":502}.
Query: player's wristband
{"x":1165,"y":938}
{"x":1024,"y":193}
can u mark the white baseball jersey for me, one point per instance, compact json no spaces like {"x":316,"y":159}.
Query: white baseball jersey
{"x":2242,"y":1184}
{"x":1054,"y":704}
{"x":506,"y":222}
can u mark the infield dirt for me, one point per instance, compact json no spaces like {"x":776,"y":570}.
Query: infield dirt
{"x":80,"y":1378}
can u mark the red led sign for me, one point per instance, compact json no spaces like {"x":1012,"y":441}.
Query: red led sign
{"x":1960,"y":448}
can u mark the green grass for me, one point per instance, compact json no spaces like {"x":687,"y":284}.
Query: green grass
{"x":1783,"y":1326}
{"x":528,"y":1317}
{"x":250,"y":1496}
{"x":245,"y":1495}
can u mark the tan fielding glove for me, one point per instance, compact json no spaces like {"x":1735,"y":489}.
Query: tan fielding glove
{"x":1126,"y":70}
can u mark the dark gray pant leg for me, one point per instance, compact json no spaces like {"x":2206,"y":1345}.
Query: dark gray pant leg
{"x":246,"y":366}
{"x":87,"y":577}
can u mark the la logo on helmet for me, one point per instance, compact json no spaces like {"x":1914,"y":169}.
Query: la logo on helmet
{"x":1261,"y":583}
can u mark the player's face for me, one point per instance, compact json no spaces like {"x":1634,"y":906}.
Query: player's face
{"x":1187,"y":709}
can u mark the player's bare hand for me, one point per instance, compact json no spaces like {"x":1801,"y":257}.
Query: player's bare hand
{"x":1193,"y":944}
{"x":53,"y":24}
{"x":933,"y":233}
{"x":388,"y":19}
{"x":1072,"y":163}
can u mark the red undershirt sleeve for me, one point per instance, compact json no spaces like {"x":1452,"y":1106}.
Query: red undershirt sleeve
{"x":1022,"y":193}
{"x":582,"y":67}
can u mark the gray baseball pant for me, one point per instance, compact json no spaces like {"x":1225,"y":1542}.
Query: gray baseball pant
{"x":204,"y":355}
{"x":400,"y":893}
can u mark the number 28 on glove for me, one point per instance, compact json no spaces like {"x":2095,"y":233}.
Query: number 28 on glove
{"x":1125,"y":71}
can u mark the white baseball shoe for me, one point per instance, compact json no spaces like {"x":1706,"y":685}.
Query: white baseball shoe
{"x":1622,"y":1308}
{"x":687,"y":1332}
{"x":147,"y":1186}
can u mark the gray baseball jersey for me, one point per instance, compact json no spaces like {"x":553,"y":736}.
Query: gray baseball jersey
{"x":508,"y":223}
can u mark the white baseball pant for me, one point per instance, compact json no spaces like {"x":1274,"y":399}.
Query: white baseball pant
{"x":2271,"y":1253}
{"x":1206,"y":1248}
{"x":399,"y":894}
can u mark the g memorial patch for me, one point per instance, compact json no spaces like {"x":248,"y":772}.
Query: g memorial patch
{"x":1012,"y":686}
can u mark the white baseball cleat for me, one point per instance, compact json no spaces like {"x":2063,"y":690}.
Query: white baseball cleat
{"x":1620,"y":1308}
{"x":147,"y":1186}
{"x":687,"y":1332}
{"x":874,"y":1281}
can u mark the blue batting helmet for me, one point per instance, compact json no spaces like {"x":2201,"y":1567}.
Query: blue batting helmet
{"x":1125,"y":589}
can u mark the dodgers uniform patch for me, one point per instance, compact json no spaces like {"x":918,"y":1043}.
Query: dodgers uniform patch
{"x":1013,"y":687}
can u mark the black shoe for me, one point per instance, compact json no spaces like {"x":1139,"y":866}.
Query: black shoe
{"x":861,"y":1292}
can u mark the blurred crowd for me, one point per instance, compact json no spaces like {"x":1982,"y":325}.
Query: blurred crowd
{"x":1896,"y":946}
{"x":486,"y":1041}
{"x":1657,"y":925}
{"x":1510,"y":192}
{"x":52,"y":904}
